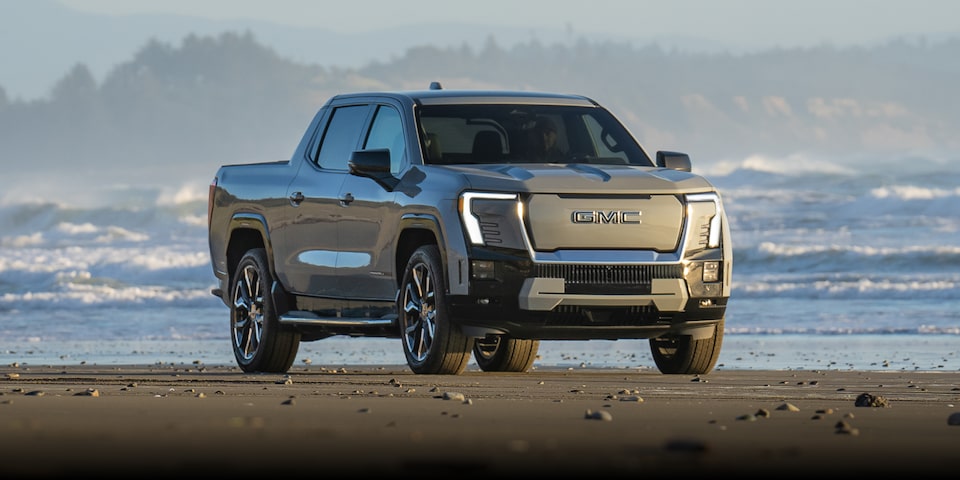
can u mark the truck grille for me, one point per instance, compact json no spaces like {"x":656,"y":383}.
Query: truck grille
{"x":609,"y":279}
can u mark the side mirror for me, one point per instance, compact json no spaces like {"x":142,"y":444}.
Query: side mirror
{"x":373,"y":164}
{"x":673,"y":160}
{"x":370,"y":162}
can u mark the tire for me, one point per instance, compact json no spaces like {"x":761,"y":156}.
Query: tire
{"x":260,"y":343}
{"x":500,"y":353}
{"x":432,"y":344}
{"x":681,"y":354}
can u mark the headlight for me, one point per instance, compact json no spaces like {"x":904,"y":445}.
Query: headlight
{"x":473,"y":220}
{"x":704,"y":211}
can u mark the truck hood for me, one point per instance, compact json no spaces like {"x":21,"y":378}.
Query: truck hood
{"x":580,"y":178}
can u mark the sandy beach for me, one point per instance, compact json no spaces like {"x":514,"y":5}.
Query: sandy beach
{"x":135,"y":420}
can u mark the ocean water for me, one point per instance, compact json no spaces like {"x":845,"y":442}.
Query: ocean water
{"x":851,"y":264}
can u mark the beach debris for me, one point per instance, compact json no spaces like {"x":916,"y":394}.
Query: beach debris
{"x":632,"y":398}
{"x":845,"y":428}
{"x":35,"y":393}
{"x":598,"y":415}
{"x":307,"y":361}
{"x":201,"y":395}
{"x":954,"y":419}
{"x":788,"y":407}
{"x":868,"y":400}
{"x":285,"y":381}
{"x":90,"y":392}
{"x":364,"y":410}
{"x":762,"y":413}
{"x":12,"y":376}
{"x":825,"y":411}
{"x":454,"y":396}
{"x":289,"y":401}
{"x":698,"y":379}
{"x":749,"y":417}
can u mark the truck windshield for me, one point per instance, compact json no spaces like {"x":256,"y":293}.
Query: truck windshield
{"x":511,"y":133}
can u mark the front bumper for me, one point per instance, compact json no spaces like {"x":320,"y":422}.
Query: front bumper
{"x":524,"y":299}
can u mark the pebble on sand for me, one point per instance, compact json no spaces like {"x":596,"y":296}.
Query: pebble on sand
{"x":453,"y":396}
{"x":954,"y":419}
{"x":598,"y":415}
{"x":788,"y":407}
{"x":868,"y":400}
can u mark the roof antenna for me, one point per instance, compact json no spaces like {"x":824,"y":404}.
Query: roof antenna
{"x":435,"y":86}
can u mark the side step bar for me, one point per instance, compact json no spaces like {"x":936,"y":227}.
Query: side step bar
{"x":310,"y":318}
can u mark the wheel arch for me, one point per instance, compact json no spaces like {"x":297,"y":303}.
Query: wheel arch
{"x":416,"y":230}
{"x":247,"y":231}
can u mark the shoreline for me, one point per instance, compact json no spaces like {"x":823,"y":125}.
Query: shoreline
{"x":866,"y":352}
{"x":65,"y":420}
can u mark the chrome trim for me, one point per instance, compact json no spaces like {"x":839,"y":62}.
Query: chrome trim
{"x":545,"y":294}
{"x":309,"y":318}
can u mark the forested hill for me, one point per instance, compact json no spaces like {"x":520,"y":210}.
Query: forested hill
{"x":178,"y":111}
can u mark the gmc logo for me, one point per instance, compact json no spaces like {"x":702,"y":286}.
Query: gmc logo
{"x":612,"y":217}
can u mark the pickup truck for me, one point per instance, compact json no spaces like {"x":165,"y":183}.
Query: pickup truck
{"x":470,"y":222}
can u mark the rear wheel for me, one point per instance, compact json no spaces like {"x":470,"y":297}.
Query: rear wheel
{"x":681,"y":354}
{"x":260,"y":343}
{"x":500,"y":353}
{"x":432,"y":344}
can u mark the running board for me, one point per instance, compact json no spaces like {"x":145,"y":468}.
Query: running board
{"x":310,"y":318}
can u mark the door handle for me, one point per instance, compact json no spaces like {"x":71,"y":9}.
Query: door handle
{"x":346,"y":199}
{"x":296,"y":198}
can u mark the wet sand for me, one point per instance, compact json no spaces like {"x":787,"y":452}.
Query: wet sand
{"x":149,"y":420}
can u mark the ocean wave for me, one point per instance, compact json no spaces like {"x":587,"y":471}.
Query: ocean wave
{"x":913,"y":192}
{"x":826,"y":330}
{"x":849,"y":286}
{"x":845,"y":257}
{"x":807,"y":164}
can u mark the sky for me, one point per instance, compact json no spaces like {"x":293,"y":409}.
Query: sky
{"x":739,"y":21}
{"x":41,"y":40}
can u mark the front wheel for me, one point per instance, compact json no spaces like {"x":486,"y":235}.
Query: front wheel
{"x":260,"y":343}
{"x":432,"y":343}
{"x":500,"y":353}
{"x":681,"y":354}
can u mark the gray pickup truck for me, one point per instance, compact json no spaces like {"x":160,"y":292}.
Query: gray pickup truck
{"x":470,"y":222}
